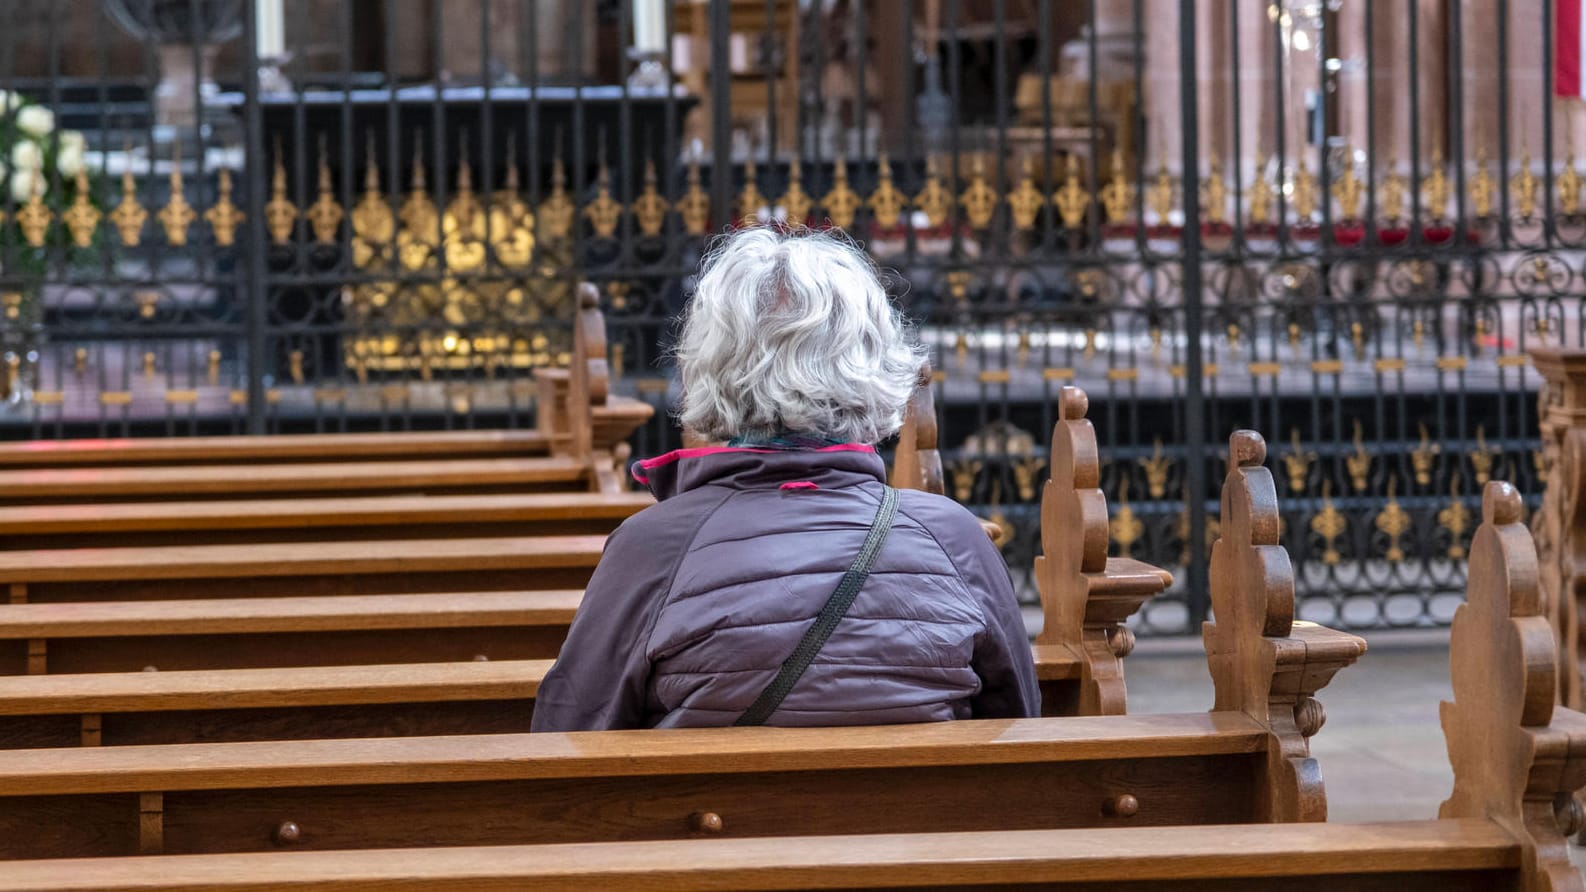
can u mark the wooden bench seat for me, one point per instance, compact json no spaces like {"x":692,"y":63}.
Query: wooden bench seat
{"x":307,"y":568}
{"x":1445,"y":856}
{"x":274,"y":448}
{"x":283,"y":520}
{"x":248,"y":633}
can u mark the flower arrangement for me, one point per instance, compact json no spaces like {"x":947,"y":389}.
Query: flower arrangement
{"x":30,"y":147}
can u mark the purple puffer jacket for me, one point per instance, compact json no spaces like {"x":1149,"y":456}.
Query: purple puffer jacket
{"x":699,"y":599}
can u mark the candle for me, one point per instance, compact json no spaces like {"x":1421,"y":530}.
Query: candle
{"x":649,"y":26}
{"x":270,"y":28}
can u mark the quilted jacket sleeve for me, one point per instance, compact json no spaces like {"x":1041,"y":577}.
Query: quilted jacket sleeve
{"x":1002,"y":653}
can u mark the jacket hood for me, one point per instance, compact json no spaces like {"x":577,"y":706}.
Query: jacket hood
{"x":747,"y":467}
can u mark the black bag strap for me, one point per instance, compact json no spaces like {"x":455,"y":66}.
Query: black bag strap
{"x":836,"y":607}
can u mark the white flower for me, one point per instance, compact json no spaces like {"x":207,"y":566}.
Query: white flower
{"x":22,"y":182}
{"x":25,"y":155}
{"x":69,"y":161}
{"x":36,"y":120}
{"x":73,"y":138}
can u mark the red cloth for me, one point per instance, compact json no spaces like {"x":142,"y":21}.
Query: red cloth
{"x":1567,"y":23}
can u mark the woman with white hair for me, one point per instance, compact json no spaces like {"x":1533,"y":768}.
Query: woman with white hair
{"x":779,"y":580}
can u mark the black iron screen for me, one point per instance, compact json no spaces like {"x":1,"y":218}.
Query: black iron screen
{"x":1339,"y":222}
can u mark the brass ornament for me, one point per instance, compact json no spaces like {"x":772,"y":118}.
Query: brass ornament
{"x":1422,"y":456}
{"x":177,"y":215}
{"x":1024,"y":475}
{"x":1214,"y":193}
{"x":964,"y":472}
{"x":80,"y":361}
{"x":129,"y":216}
{"x":1124,"y":525}
{"x":649,"y":209}
{"x":325,"y":214}
{"x":1298,"y":464}
{"x":224,"y":216}
{"x":979,"y":200}
{"x":1025,"y":201}
{"x":1329,"y":524}
{"x":1392,"y":193}
{"x":214,"y":368}
{"x":1524,"y":186}
{"x":419,"y":235}
{"x":82,"y":218}
{"x":1348,"y":191}
{"x":796,"y":204}
{"x":1456,"y":519}
{"x":1394,"y":522}
{"x":961,"y":349}
{"x":148,"y":365}
{"x":12,"y":300}
{"x":1359,"y":463}
{"x":1435,"y":190}
{"x":886,"y":203}
{"x":1570,"y":191}
{"x":280,"y":214}
{"x":34,"y":217}
{"x":934,"y":200}
{"x":373,"y":224}
{"x":464,"y":226}
{"x":958,"y":284}
{"x":1357,"y":339}
{"x":1117,"y":197}
{"x":1303,"y":184}
{"x":694,"y":206}
{"x":1482,"y":189}
{"x":842,"y":202}
{"x":603,"y":213}
{"x":148,"y":302}
{"x":1262,"y":196}
{"x":1156,"y":469}
{"x":511,"y":220}
{"x":557,"y":210}
{"x":294,"y":362}
{"x":1071,"y":199}
{"x":1482,"y":458}
{"x":750,"y":202}
{"x":1159,"y":196}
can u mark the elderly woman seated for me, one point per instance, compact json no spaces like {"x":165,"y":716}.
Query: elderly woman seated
{"x":779,"y":580}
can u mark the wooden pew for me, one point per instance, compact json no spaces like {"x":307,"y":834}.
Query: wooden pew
{"x":1246,"y":762}
{"x":1560,"y":525}
{"x":1516,"y":758}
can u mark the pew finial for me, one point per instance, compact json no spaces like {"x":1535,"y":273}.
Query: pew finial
{"x":916,"y":463}
{"x":1262,"y":661}
{"x":1517,"y":758}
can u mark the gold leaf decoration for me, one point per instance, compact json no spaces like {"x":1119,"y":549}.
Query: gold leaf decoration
{"x":34,"y":217}
{"x":1569,"y":186}
{"x":177,"y":215}
{"x":557,"y":211}
{"x":603,"y":213}
{"x":795,"y":202}
{"x":1524,"y":186}
{"x":1303,"y":185}
{"x":886,"y":203}
{"x":1456,"y":520}
{"x":129,"y":216}
{"x":464,"y":225}
{"x":1025,"y":201}
{"x":1435,"y":190}
{"x":750,"y":202}
{"x":1391,"y":195}
{"x":1422,"y":456}
{"x":224,"y":217}
{"x":1329,"y":524}
{"x":280,"y":214}
{"x":1359,"y":464}
{"x":1348,"y":191}
{"x":1156,"y":470}
{"x":1394,"y":522}
{"x":1072,"y":200}
{"x":841,"y":202}
{"x":325,"y":214}
{"x":1117,"y":197}
{"x":373,"y":224}
{"x":979,"y":199}
{"x":1482,"y":189}
{"x":1298,"y":464}
{"x":1160,"y":194}
{"x":1214,"y":193}
{"x":419,"y":235}
{"x":694,"y":206}
{"x":649,"y":209}
{"x":1262,"y":196}
{"x":82,"y":218}
{"x":934,"y":200}
{"x":511,"y":220}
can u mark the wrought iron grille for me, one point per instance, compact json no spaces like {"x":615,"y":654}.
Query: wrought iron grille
{"x":1338,"y":222}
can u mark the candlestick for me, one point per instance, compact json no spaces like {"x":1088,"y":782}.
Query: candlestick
{"x":270,"y":29}
{"x":649,"y":26}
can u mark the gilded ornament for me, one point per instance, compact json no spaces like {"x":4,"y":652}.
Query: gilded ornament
{"x":1359,"y":464}
{"x":649,"y":209}
{"x":1456,"y":519}
{"x":12,"y":301}
{"x":1435,"y":190}
{"x":177,"y":215}
{"x":1156,"y":469}
{"x":1482,"y":458}
{"x":1422,"y":456}
{"x":280,"y":214}
{"x":1072,"y":200}
{"x":294,"y":362}
{"x":934,"y":200}
{"x":1262,"y":196}
{"x":464,"y":226}
{"x":750,"y":202}
{"x":419,"y":235}
{"x":604,"y":213}
{"x":34,"y":216}
{"x":1117,"y":197}
{"x":1482,"y":189}
{"x":795,"y":202}
{"x":1329,"y":524}
{"x":511,"y":221}
{"x":1214,"y":193}
{"x":1025,"y":201}
{"x":964,"y":471}
{"x":373,"y":224}
{"x":842,"y":201}
{"x":979,"y":199}
{"x":1024,"y":348}
{"x":1524,"y":186}
{"x":1391,"y":200}
{"x":1570,"y":187}
{"x":325,"y":214}
{"x":1090,"y":343}
{"x":224,"y":217}
{"x":148,"y":364}
{"x":129,"y":216}
{"x":1125,"y":526}
{"x":82,"y":218}
{"x":1394,"y":522}
{"x":694,"y":206}
{"x":1357,"y":339}
{"x":961,"y":349}
{"x":1025,"y":472}
{"x":886,"y":203}
{"x":1155,"y":334}
{"x":1348,"y":191}
{"x":80,"y":361}
{"x":1303,"y":185}
{"x":958,"y":284}
{"x":1160,"y":194}
{"x":148,"y":302}
{"x":1298,"y":464}
{"x":1233,"y":337}
{"x":557,"y":211}
{"x":214,"y":368}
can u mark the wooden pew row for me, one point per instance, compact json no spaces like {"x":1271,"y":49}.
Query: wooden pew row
{"x":1247,"y":761}
{"x":274,"y":449}
{"x":1516,"y":758}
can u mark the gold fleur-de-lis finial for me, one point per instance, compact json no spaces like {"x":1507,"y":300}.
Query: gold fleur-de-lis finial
{"x":325,"y":214}
{"x":511,"y":228}
{"x":886,"y":203}
{"x":1071,"y":199}
{"x":842,"y":202}
{"x":1482,"y":189}
{"x":694,"y":206}
{"x":1262,"y":195}
{"x":1329,"y":524}
{"x":979,"y":199}
{"x":1359,"y":463}
{"x":964,"y":472}
{"x":1298,"y":464}
{"x":1456,"y":519}
{"x":177,"y":215}
{"x":1304,"y":193}
{"x":1348,"y":191}
{"x":419,"y":235}
{"x":1156,"y":470}
{"x":750,"y":202}
{"x":1214,"y":193}
{"x":1160,"y":195}
{"x":465,"y":228}
{"x":1435,"y":190}
{"x":224,"y":216}
{"x":795,"y":202}
{"x":557,"y":211}
{"x":1125,"y":526}
{"x":1391,"y":200}
{"x":280,"y":214}
{"x":1570,"y":189}
{"x":82,"y":218}
{"x":1422,"y":456}
{"x":934,"y":200}
{"x":34,"y":217}
{"x":1025,"y":201}
{"x":129,"y":216}
{"x":603,"y":213}
{"x":1394,"y":522}
{"x":373,"y":223}
{"x":649,"y":209}
{"x":1482,"y":458}
{"x":1117,"y":197}
{"x":1524,"y":186}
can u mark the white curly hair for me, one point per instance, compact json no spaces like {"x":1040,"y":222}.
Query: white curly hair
{"x":792,"y":332}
